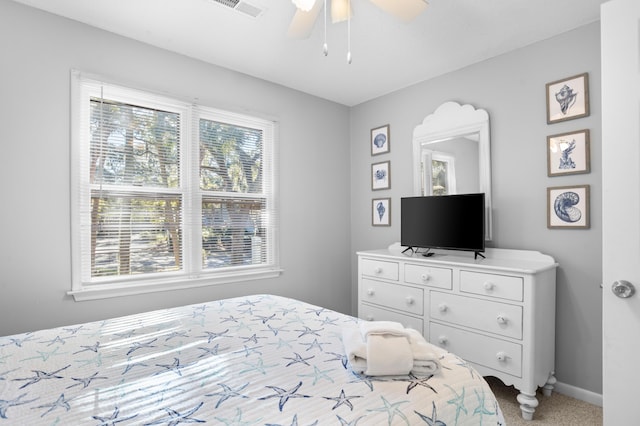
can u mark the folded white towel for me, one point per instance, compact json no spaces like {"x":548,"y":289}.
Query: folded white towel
{"x":426,"y":357}
{"x":388,"y":355}
{"x":389,"y":350}
{"x":392,"y":328}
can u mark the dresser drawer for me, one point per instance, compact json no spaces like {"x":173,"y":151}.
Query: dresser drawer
{"x":427,"y":275}
{"x":486,"y":351}
{"x":486,"y":315}
{"x":394,"y":296}
{"x":500,"y":286}
{"x":379,"y":269}
{"x":374,"y":313}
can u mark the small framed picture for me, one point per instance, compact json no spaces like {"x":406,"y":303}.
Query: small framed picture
{"x":381,"y":212}
{"x":381,"y":175}
{"x":380,"y":140}
{"x":568,"y":98}
{"x":568,"y":207}
{"x":568,"y":153}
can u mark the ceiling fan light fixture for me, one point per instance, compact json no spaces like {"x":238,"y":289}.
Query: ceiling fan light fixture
{"x":304,"y":5}
{"x":340,"y":10}
{"x":406,"y":10}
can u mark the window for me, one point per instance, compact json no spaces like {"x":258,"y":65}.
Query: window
{"x":167,"y":195}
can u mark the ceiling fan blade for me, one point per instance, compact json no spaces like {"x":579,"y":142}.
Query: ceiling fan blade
{"x":302,"y":22}
{"x":406,"y":10}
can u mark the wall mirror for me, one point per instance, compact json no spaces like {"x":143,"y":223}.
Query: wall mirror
{"x":451,"y":154}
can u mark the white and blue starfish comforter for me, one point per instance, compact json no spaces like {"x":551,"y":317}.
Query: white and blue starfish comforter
{"x":256,"y":360}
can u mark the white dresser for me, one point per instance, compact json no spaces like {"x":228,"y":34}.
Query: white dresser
{"x":496,"y":313}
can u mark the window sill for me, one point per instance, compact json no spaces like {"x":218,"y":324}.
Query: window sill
{"x":105,"y":291}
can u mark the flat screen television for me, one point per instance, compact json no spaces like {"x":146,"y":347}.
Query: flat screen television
{"x":452,"y":222}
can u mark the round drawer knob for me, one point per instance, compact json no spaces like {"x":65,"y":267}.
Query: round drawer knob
{"x":501,"y":356}
{"x":410,"y":300}
{"x":425,"y":277}
{"x":378,"y":270}
{"x":443,"y":307}
{"x":501,"y":319}
{"x":488,"y":285}
{"x":443,"y":340}
{"x":371,"y":292}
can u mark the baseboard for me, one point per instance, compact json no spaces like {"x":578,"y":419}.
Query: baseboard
{"x":578,"y":393}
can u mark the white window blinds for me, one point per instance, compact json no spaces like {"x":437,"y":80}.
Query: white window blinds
{"x":167,"y":194}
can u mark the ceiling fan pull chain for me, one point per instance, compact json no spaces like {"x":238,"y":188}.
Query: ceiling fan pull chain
{"x":325,"y":47}
{"x":349,"y":31}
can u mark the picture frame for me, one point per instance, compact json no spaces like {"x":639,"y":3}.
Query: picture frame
{"x":380,"y":140}
{"x":568,"y":207}
{"x":569,"y":153}
{"x":381,"y":175}
{"x":568,"y":99}
{"x":381,"y":212}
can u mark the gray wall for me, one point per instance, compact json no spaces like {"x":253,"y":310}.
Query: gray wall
{"x":511,"y":88}
{"x":38,"y":52}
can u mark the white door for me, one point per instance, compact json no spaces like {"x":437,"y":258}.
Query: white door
{"x":620,"y":25}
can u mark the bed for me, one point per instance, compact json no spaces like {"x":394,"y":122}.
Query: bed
{"x":255,"y":360}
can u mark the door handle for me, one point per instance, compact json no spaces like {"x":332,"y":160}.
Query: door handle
{"x":623,"y":289}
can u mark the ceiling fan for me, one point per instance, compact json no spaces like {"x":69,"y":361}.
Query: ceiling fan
{"x":308,"y":10}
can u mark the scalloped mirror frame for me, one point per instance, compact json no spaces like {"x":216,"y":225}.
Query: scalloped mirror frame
{"x":451,"y":120}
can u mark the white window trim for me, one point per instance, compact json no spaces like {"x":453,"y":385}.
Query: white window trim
{"x":82,"y":288}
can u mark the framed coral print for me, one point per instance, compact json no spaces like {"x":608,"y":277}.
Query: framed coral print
{"x":381,"y":175}
{"x":568,"y":98}
{"x":568,"y":207}
{"x":380,"y":140}
{"x":568,"y":153}
{"x":381,"y":212}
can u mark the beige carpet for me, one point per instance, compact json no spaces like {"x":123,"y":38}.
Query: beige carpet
{"x":555,"y":410}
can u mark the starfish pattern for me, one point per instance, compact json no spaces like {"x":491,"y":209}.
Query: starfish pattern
{"x":174,"y":417}
{"x":57,"y":339}
{"x":433,"y":420}
{"x":43,"y":355}
{"x":299,"y":359}
{"x":258,"y":367}
{"x":481,"y":409}
{"x":265,"y":319}
{"x":86,"y":381}
{"x":214,"y":335}
{"x":284,"y":395}
{"x":42,"y":375}
{"x":5,"y":404}
{"x":228,"y":393}
{"x":274,"y":330}
{"x":458,"y":401}
{"x":314,"y":344}
{"x":140,"y":345}
{"x":93,"y":348}
{"x":61,"y":402}
{"x":318,"y":374}
{"x":344,"y":422}
{"x":175,"y":367}
{"x":237,"y":420}
{"x":392,"y":410}
{"x":342,"y":399}
{"x":415,"y":381}
{"x":308,"y":330}
{"x":113,"y":418}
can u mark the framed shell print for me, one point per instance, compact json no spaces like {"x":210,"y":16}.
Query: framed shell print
{"x":380,"y":140}
{"x":568,"y":98}
{"x":568,"y":207}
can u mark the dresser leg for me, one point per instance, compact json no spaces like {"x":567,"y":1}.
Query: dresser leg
{"x":528,"y":403}
{"x":548,"y":387}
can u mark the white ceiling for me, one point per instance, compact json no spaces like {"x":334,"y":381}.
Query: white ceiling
{"x":388,"y":54}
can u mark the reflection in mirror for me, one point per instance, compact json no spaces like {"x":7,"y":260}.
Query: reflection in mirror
{"x":451,"y":154}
